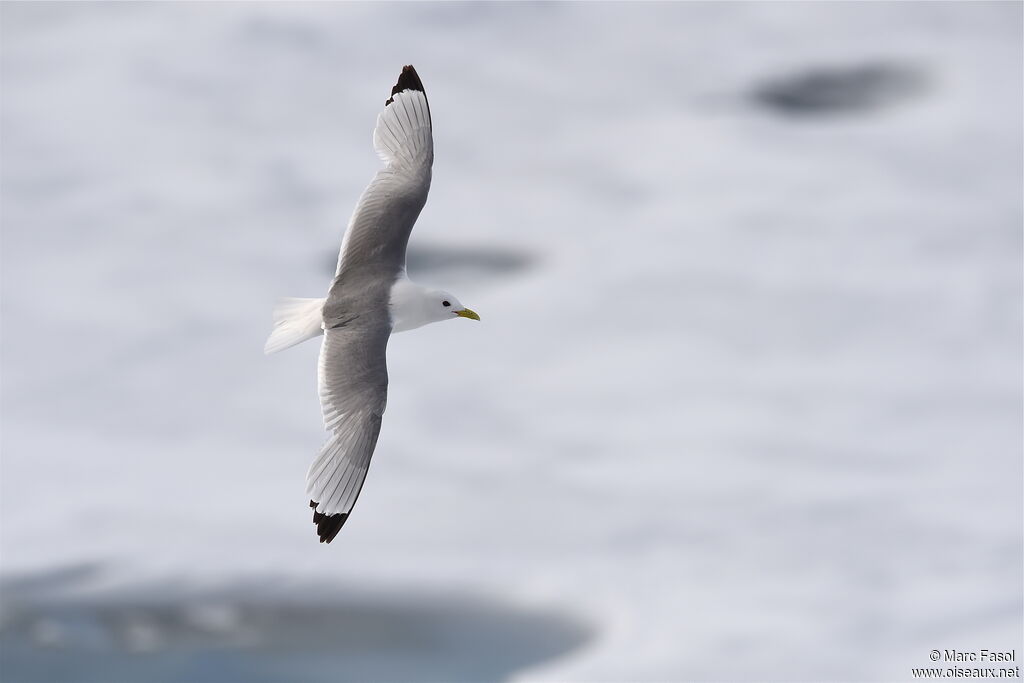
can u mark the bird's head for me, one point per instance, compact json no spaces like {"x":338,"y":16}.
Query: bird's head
{"x":447,"y":306}
{"x":413,"y":306}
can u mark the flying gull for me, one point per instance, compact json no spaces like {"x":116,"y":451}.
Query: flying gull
{"x":370,"y":298}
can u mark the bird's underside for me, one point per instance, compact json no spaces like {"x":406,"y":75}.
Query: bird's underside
{"x":356,"y":323}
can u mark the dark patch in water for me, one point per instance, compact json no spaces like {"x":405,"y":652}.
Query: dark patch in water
{"x":839,"y":90}
{"x":476,"y":263}
{"x":38,"y":583}
{"x":463,"y":260}
{"x":262,"y":633}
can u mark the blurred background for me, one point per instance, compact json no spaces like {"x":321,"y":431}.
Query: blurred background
{"x":745,"y":402}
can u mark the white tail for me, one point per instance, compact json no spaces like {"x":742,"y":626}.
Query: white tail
{"x":295,"y":321}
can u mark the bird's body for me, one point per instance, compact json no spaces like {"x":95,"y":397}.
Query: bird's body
{"x":370,"y":297}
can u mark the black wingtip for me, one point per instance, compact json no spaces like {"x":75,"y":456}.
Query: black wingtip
{"x":407,"y":80}
{"x":327,"y":526}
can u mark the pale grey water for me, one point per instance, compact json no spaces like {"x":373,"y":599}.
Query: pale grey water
{"x":776,"y":245}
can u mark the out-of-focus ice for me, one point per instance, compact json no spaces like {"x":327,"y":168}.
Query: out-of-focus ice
{"x":749,"y":399}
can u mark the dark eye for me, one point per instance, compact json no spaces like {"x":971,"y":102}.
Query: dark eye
{"x":446,"y":303}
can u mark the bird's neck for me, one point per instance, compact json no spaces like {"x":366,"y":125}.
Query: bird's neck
{"x":408,"y":305}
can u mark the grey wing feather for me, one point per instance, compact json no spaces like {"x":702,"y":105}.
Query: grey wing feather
{"x":353,"y":380}
{"x":379,"y":229}
{"x":353,"y":375}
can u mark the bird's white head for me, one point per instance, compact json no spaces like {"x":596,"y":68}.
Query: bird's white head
{"x":413,"y":306}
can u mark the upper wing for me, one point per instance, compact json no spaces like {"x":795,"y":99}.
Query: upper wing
{"x":379,"y":229}
{"x":353,"y":383}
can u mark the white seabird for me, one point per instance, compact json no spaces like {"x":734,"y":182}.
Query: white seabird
{"x":370,"y":298}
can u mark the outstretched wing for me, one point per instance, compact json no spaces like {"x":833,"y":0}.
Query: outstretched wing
{"x":378,"y":231}
{"x":353,"y":384}
{"x":353,"y":375}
